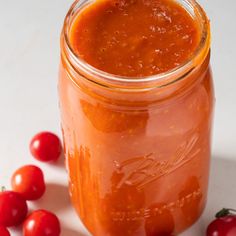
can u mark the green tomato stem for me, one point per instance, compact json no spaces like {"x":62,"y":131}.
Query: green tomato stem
{"x":225,"y":212}
{"x":3,"y":189}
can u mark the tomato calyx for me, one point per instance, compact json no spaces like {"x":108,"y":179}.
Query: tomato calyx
{"x":225,"y":212}
{"x":3,"y":189}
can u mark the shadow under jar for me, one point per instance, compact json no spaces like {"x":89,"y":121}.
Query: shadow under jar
{"x":137,"y":148}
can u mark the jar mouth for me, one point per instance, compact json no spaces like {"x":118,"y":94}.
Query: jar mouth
{"x":158,"y":80}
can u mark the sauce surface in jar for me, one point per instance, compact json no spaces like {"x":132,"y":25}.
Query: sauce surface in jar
{"x":137,"y":149}
{"x":134,"y":38}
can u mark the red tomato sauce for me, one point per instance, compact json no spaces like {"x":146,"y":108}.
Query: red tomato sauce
{"x":134,"y":38}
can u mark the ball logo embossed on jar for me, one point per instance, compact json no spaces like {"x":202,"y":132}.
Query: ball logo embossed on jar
{"x":140,"y":171}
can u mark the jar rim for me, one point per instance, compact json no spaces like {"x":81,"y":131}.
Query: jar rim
{"x":158,"y":80}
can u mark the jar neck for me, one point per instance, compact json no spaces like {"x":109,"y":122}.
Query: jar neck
{"x":170,"y":79}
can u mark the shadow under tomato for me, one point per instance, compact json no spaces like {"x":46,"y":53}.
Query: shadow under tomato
{"x":70,"y":232}
{"x":55,"y":199}
{"x":222,"y":193}
{"x":65,"y":231}
{"x":60,"y":163}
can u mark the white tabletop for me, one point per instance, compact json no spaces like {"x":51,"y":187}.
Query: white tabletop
{"x":29,"y":58}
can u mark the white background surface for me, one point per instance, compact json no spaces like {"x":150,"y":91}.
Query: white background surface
{"x":29,"y":58}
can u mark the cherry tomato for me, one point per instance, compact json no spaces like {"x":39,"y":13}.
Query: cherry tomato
{"x":46,"y":146}
{"x":13,"y":208}
{"x":29,"y":182}
{"x":41,"y":223}
{"x":4,"y":231}
{"x":223,"y":226}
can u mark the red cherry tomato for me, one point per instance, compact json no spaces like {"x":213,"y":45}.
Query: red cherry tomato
{"x":45,"y":147}
{"x":41,"y":223}
{"x":29,"y":182}
{"x":4,"y":231}
{"x":13,"y":208}
{"x":224,"y":226}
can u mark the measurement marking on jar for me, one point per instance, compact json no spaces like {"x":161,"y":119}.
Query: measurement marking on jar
{"x":143,"y":213}
{"x":140,"y":171}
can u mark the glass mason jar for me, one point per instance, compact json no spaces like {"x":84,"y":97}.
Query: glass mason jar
{"x":137,"y":150}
